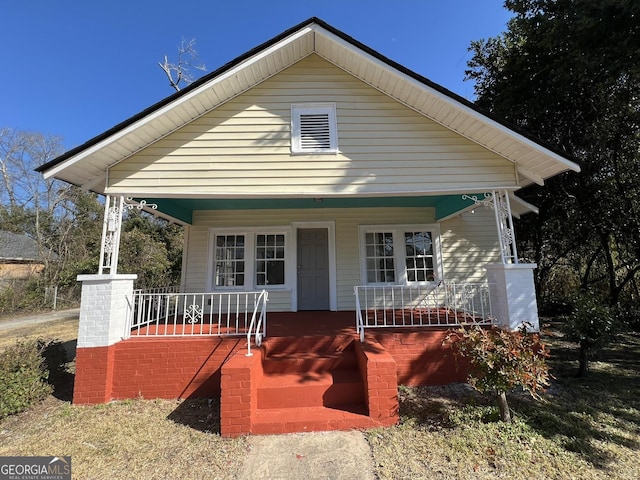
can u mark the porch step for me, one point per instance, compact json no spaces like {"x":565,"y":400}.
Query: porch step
{"x":311,"y":419}
{"x":303,"y":355}
{"x":310,"y":384}
{"x":312,"y":389}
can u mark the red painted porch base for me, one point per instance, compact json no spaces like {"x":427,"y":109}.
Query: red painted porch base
{"x":152,"y":368}
{"x":420,"y":356}
{"x":94,"y":375}
{"x":182,"y":367}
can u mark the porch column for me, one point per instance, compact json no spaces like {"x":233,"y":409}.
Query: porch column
{"x":511,"y":287}
{"x":513,"y":295}
{"x":104,"y":311}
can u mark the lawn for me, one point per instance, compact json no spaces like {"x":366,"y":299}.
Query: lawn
{"x":584,"y":428}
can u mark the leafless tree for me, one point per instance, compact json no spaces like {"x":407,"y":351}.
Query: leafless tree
{"x":181,"y":71}
{"x":29,"y":204}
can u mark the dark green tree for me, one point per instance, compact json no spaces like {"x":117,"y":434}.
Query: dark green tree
{"x":568,"y":71}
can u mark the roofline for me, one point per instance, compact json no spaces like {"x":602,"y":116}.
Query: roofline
{"x":269,"y":43}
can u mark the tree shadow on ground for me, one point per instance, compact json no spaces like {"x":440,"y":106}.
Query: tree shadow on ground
{"x":583,"y":414}
{"x":202,"y":414}
{"x":591,"y":417}
{"x":430,"y":406}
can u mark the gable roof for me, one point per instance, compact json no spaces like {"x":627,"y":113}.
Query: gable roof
{"x":16,"y":247}
{"x":86,"y":164}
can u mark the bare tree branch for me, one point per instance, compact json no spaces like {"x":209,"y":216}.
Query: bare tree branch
{"x":181,"y":71}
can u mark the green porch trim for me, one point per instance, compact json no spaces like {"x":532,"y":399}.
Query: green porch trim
{"x":183,"y":208}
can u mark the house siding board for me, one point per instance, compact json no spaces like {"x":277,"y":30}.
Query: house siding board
{"x":469,"y":242}
{"x":252,"y":131}
{"x":465,"y":236}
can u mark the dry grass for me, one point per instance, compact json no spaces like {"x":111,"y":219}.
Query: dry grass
{"x":63,"y":330}
{"x":123,"y":440}
{"x":585,"y":428}
{"x":142,"y":439}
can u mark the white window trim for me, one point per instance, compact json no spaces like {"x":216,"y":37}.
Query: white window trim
{"x":250,"y":258}
{"x":298,"y":109}
{"x":399,"y":254}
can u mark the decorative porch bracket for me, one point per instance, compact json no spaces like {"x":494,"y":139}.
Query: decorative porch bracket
{"x":110,"y":245}
{"x":512,"y":292}
{"x":499,"y":202}
{"x":111,"y":227}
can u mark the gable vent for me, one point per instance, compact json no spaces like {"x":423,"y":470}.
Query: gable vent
{"x":313,"y":128}
{"x":315,"y":132}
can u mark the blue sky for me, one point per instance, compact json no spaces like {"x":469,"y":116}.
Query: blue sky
{"x":77,"y":68}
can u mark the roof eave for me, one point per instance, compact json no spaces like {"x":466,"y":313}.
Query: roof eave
{"x":454,"y":101}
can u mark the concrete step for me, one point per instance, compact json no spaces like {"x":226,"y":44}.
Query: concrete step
{"x":311,"y":389}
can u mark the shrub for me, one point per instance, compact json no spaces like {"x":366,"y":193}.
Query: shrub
{"x":24,"y":373}
{"x":501,"y":360}
{"x":592,"y":324}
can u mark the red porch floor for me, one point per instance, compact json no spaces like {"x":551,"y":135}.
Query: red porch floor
{"x":310,"y":323}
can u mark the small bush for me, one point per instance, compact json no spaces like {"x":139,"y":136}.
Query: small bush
{"x":24,"y":373}
{"x":501,"y":360}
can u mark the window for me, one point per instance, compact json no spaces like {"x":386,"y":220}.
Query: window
{"x":399,"y":254}
{"x":270,"y":259}
{"x":379,"y":257}
{"x":419,"y":257}
{"x":229,"y":261}
{"x":313,"y":128}
{"x":249,"y":260}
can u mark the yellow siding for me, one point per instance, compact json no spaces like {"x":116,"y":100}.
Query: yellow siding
{"x":469,"y":242}
{"x":243,"y":147}
{"x":463,"y":242}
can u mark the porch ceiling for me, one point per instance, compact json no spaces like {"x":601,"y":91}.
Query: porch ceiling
{"x":182,"y":209}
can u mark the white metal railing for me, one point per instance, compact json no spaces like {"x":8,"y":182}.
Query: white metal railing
{"x":258,"y":323}
{"x":444,"y":304}
{"x":167,"y":313}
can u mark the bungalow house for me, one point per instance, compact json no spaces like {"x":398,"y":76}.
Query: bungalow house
{"x":340,"y":211}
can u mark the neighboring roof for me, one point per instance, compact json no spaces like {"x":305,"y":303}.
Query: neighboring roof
{"x":18,"y":247}
{"x":86,"y":164}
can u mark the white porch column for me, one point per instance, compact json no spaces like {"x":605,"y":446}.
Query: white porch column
{"x":103,"y":319}
{"x":513,"y":295}
{"x":104,"y":309}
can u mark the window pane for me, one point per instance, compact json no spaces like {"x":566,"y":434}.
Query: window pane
{"x":379,"y":257}
{"x":270,"y":250}
{"x":229,"y":260}
{"x":419,"y":256}
{"x":275,"y":273}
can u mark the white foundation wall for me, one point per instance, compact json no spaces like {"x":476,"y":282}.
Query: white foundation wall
{"x":467,"y":237}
